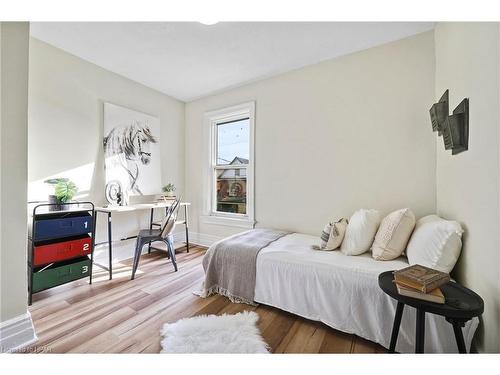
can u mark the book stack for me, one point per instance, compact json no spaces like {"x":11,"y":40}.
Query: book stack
{"x":421,"y":282}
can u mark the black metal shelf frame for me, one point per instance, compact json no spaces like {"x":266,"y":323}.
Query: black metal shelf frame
{"x":36,"y":212}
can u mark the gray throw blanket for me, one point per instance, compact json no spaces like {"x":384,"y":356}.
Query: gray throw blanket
{"x":230,"y":265}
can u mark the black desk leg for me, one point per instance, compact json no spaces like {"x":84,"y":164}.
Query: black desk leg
{"x":395,"y":326}
{"x":110,"y":249}
{"x":186,"y":225}
{"x":150,"y":227}
{"x":457,"y":328}
{"x":420,"y":332}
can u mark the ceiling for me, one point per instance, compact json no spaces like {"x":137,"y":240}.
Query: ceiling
{"x":188,"y":60}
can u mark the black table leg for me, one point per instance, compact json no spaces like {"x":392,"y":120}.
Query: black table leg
{"x":150,"y":227}
{"x":457,"y":329}
{"x":110,"y":249}
{"x":395,"y":326}
{"x":420,"y":332}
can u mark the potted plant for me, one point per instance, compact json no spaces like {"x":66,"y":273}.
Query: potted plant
{"x":64,"y":191}
{"x":169,"y":189}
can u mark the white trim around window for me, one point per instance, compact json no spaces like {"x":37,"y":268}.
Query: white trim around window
{"x":210,"y":122}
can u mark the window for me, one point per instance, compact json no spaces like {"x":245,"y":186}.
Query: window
{"x":229,"y":192}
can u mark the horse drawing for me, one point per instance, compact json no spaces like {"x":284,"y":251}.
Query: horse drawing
{"x":131,"y":145}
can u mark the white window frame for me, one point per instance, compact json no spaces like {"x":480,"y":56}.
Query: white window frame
{"x":210,"y":121}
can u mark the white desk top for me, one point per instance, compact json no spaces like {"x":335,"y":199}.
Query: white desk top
{"x":137,"y":207}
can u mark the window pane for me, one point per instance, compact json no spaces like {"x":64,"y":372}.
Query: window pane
{"x":233,"y":141}
{"x":232,"y":190}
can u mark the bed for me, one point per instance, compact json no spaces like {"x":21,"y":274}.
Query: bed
{"x":342,"y":292}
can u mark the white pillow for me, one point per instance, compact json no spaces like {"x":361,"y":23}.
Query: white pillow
{"x":393,"y":235}
{"x":435,"y":243}
{"x":360,"y":232}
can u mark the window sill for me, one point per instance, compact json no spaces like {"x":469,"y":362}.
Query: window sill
{"x":228,"y":221}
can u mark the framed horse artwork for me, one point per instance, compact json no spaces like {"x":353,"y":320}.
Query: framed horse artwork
{"x":132,"y":153}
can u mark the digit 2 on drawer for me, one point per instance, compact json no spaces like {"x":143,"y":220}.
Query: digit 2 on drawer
{"x":58,"y":251}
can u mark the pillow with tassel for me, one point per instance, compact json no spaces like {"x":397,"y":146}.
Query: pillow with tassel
{"x":332,"y":235}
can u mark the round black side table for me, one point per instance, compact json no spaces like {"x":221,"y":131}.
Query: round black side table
{"x":461,"y":305}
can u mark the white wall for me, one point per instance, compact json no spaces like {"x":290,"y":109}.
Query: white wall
{"x":467,"y":63}
{"x":344,"y":134}
{"x":66,"y":96}
{"x":13,"y":172}
{"x":330,"y":138}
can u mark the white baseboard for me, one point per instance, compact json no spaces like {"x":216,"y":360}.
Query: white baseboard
{"x":16,"y":333}
{"x":197,"y":238}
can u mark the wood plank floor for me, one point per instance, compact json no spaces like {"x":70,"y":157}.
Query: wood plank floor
{"x":123,"y":316}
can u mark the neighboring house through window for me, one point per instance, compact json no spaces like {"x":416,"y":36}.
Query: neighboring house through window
{"x":229,"y":192}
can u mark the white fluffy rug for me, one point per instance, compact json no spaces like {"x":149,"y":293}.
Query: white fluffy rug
{"x":214,"y":334}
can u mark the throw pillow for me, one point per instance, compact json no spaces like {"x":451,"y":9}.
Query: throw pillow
{"x":393,"y":235}
{"x":332,"y":235}
{"x":360,"y":232}
{"x":435,"y":243}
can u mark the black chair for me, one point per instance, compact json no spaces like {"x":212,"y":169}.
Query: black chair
{"x":165,"y":234}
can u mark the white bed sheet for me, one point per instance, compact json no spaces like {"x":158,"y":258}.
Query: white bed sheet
{"x":342,"y":292}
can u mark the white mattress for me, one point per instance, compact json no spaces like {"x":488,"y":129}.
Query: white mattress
{"x":342,"y":292}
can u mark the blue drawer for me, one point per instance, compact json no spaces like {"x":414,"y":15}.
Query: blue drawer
{"x":62,"y":227}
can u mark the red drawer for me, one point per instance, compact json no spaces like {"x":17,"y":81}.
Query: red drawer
{"x":56,"y":252}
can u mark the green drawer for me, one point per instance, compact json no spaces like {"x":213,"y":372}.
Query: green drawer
{"x":61,"y":273}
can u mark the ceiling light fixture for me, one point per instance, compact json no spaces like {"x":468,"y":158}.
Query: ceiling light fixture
{"x":208,"y":23}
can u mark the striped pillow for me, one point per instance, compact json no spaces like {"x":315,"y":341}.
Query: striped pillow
{"x":332,"y":235}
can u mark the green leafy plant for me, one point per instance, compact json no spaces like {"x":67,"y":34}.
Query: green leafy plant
{"x":169,"y":188}
{"x":55,"y":181}
{"x":64,"y":189}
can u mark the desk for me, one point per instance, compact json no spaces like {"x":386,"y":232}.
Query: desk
{"x":132,"y":208}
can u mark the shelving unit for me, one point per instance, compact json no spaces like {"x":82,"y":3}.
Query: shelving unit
{"x":60,"y":245}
